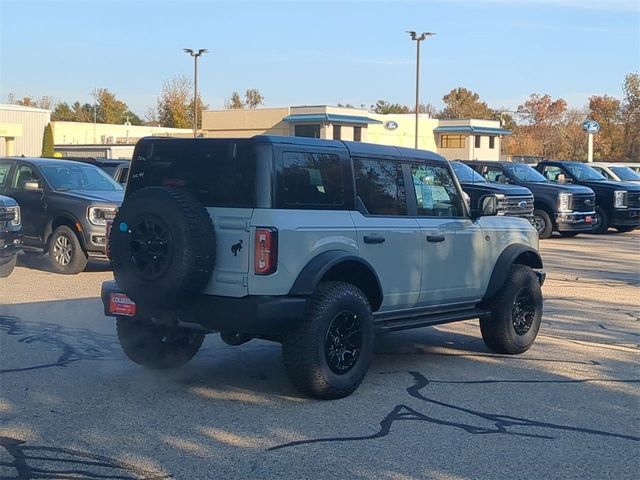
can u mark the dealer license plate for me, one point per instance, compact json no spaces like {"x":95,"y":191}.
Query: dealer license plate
{"x":120,"y":304}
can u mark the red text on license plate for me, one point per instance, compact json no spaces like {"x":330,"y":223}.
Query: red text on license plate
{"x":588,"y":219}
{"x":120,"y":304}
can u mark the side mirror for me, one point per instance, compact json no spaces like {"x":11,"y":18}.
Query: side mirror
{"x":488,"y":207}
{"x":33,"y":185}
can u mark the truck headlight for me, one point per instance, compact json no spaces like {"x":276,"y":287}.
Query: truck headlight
{"x":100,"y":215}
{"x":619,"y":199}
{"x":500,"y":203}
{"x":565,"y":201}
{"x":17,"y":218}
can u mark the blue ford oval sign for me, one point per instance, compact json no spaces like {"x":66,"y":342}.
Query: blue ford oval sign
{"x":591,"y":126}
{"x":390,"y":125}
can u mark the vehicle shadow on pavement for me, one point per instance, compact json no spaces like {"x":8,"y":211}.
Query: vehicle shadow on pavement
{"x":40,"y":261}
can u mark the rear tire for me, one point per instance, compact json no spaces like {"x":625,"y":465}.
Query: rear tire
{"x":156,"y":346}
{"x":7,"y":268}
{"x":601,"y":221}
{"x":66,"y":255}
{"x":542,"y":223}
{"x":516,"y":313}
{"x":328,"y":355}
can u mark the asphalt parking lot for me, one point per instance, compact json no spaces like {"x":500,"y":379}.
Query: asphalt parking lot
{"x":435,"y":404}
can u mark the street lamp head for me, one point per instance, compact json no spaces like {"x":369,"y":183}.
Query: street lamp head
{"x":193,"y":53}
{"x":422,"y":36}
{"x":202,"y":50}
{"x":188,"y":50}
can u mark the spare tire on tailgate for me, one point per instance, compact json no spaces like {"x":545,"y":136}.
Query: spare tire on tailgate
{"x":162,"y":246}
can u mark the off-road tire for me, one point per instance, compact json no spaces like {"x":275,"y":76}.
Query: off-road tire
{"x":65,"y":254}
{"x":602,"y":225}
{"x":304,"y":349}
{"x":162,"y":246}
{"x":625,"y":229}
{"x":546,"y":229}
{"x":7,"y":267}
{"x":155,"y":346}
{"x":499,"y":328}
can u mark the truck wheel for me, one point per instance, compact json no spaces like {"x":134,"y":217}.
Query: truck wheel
{"x":625,"y":229}
{"x":516,"y":313}
{"x":156,"y":346}
{"x":542,"y":223}
{"x":600,"y":221}
{"x":328,"y":355}
{"x":7,"y":267}
{"x":65,"y":252}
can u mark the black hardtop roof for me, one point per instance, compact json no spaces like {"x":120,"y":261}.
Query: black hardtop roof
{"x":354,"y":148}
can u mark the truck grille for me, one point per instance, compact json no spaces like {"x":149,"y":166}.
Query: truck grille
{"x":584,"y":202}
{"x":633,"y":199}
{"x":517,"y":205}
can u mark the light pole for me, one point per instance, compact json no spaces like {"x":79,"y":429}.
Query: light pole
{"x":195,"y":56}
{"x":418,"y":38}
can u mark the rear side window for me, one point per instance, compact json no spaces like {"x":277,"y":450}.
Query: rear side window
{"x":380,"y":186}
{"x":218,"y":173}
{"x":310,"y":180}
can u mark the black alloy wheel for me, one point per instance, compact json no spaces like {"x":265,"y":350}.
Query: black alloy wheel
{"x":150,"y":246}
{"x":343,"y":342}
{"x":524,"y":311}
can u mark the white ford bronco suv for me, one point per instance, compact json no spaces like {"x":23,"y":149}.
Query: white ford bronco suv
{"x":317,"y":244}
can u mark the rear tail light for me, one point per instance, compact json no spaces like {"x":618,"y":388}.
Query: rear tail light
{"x":266,"y":260}
{"x":108,"y":228}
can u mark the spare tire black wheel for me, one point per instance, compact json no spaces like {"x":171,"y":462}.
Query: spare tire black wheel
{"x":162,"y":246}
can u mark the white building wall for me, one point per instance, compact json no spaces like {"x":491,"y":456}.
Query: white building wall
{"x":33,"y":121}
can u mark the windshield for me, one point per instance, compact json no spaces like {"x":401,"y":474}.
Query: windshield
{"x":524,"y":173}
{"x":584,"y":172}
{"x":625,"y":173}
{"x":466,"y":173}
{"x":79,"y":177}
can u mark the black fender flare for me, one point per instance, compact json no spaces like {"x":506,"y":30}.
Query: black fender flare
{"x":48,"y":230}
{"x":515,"y":253}
{"x":311,"y":275}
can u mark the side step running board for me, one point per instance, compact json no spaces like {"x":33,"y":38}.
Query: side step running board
{"x":426,"y":320}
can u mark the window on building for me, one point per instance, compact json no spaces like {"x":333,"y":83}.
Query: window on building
{"x":337,"y":132}
{"x":357,"y":134}
{"x":477,"y":140}
{"x":436,"y":193}
{"x":452,"y":141}
{"x":492,"y":142}
{"x":308,"y":179}
{"x":380,"y":187}
{"x":312,"y":131}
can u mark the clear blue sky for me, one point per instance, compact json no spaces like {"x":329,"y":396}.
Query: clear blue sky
{"x":319,"y":52}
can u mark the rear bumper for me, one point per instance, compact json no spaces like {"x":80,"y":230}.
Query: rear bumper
{"x":254,"y":315}
{"x":574,"y":221}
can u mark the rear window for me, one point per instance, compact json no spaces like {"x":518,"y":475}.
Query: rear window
{"x":310,"y":180}
{"x":219,"y":173}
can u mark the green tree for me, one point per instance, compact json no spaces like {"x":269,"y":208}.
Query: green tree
{"x":109,"y":108}
{"x":385,"y":107}
{"x":63,"y":112}
{"x":47,"y":142}
{"x":462,"y":103}
{"x":234,"y":102}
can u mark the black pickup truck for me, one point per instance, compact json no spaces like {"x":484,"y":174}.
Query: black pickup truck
{"x":512,"y":199}
{"x":118,"y":169}
{"x":618,"y":203}
{"x":10,"y":239}
{"x":65,"y":207}
{"x":567,"y":209}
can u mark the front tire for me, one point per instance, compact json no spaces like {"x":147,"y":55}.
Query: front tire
{"x":156,"y":346}
{"x":7,"y":268}
{"x":601,"y":221}
{"x":625,"y":229}
{"x":328,"y":355}
{"x":516,"y":313}
{"x":66,"y":255}
{"x":542,"y":223}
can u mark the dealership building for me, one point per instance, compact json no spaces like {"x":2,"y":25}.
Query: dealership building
{"x":454,"y":139}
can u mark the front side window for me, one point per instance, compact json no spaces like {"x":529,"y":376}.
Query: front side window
{"x":452,"y":141}
{"x":552,"y":173}
{"x":436,"y":193}
{"x":307,"y":180}
{"x":583,"y":172}
{"x":380,"y":187}
{"x":25,"y":174}
{"x":493,"y":174}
